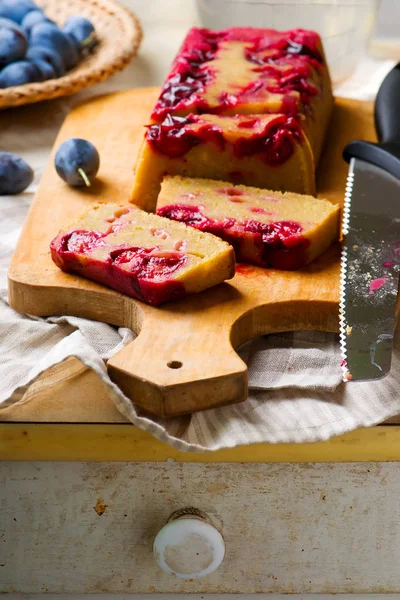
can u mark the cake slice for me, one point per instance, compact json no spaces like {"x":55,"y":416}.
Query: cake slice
{"x":142,"y":255}
{"x":282,"y":231}
{"x":246,"y":70}
{"x":267,"y":151}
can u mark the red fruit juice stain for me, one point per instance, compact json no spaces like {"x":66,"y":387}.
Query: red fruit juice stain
{"x":376,"y":284}
{"x":248,"y":270}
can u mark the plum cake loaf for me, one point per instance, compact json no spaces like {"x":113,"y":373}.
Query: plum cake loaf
{"x":142,"y":255}
{"x":270,"y":229}
{"x":231,"y":74}
{"x":260,"y":150}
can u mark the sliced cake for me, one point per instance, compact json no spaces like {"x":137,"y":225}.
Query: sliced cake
{"x":267,"y":151}
{"x":246,"y":70}
{"x":142,"y":255}
{"x":282,"y":231}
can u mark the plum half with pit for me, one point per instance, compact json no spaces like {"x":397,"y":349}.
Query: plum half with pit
{"x":77,"y":162}
{"x":15,"y":174}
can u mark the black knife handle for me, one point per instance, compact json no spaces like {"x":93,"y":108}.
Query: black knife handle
{"x":386,"y":156}
{"x":386,"y":153}
{"x":387,"y":108}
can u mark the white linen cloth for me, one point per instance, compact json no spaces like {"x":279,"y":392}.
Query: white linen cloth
{"x":295,"y":388}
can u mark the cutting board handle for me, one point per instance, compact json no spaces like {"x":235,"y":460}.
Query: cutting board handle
{"x":177,"y":367}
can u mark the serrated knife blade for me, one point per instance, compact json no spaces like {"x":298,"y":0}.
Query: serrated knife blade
{"x":371,"y":250}
{"x":371,"y":246}
{"x":369,"y":271}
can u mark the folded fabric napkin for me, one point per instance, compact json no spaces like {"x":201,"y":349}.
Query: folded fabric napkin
{"x":296,"y":392}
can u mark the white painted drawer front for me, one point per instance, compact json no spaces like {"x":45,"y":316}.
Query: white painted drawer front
{"x":87,"y":528}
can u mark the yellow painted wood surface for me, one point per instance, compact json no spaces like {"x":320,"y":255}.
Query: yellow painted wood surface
{"x":120,"y":442}
{"x":201,"y":331}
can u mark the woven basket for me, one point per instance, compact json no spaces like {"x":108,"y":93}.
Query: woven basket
{"x":119,"y":34}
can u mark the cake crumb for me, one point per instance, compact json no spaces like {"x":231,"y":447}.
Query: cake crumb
{"x":349,"y":330}
{"x":100,"y":507}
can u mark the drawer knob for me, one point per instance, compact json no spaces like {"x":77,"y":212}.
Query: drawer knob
{"x":189,"y":546}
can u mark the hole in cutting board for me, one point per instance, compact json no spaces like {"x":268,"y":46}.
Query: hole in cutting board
{"x":174,"y":364}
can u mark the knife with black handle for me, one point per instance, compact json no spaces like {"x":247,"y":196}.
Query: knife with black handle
{"x":371,"y":247}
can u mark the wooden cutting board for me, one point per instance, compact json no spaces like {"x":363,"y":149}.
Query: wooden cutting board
{"x":184,"y":358}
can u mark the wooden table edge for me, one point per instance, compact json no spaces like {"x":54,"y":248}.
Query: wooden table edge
{"x":99,"y":442}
